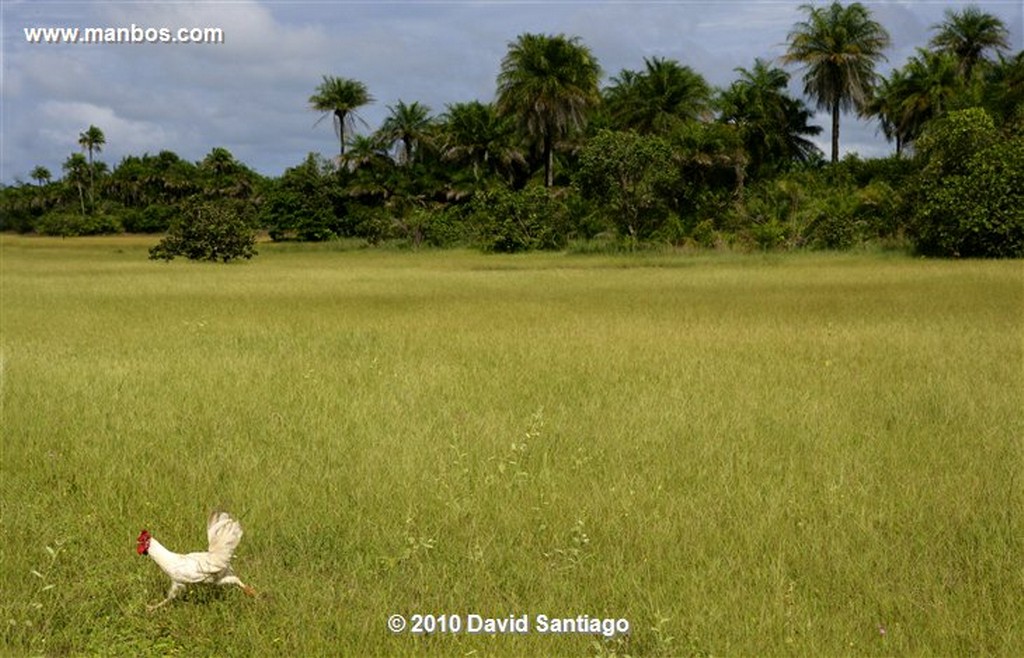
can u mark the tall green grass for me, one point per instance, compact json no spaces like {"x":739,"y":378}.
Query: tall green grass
{"x":785,"y":455}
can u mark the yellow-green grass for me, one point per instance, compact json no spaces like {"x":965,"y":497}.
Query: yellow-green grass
{"x":740,"y":455}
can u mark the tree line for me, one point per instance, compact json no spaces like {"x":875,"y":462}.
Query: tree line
{"x":655,"y":156}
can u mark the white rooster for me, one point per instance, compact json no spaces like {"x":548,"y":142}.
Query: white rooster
{"x":212,"y":566}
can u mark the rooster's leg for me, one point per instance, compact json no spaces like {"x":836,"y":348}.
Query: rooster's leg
{"x":235,"y":580}
{"x":171,"y":593}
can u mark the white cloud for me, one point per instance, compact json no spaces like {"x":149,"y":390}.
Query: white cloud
{"x":61,"y":122}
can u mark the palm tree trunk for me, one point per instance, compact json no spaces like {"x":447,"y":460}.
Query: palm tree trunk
{"x":835,"y":132}
{"x":92,"y":198}
{"x":549,"y":162}
{"x":340,"y":116}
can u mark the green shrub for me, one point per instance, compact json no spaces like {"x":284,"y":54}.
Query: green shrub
{"x":68,"y":223}
{"x":832,"y":222}
{"x":445,"y":226}
{"x":59,"y":222}
{"x":979,"y":214}
{"x":435,"y":226}
{"x":878,"y":206}
{"x":511,"y":221}
{"x":777,"y":200}
{"x":155,"y":218}
{"x":948,"y":143}
{"x":969,"y":197}
{"x":769,"y":235}
{"x":893,"y":170}
{"x":211,"y":231}
{"x":704,"y":233}
{"x":817,"y":209}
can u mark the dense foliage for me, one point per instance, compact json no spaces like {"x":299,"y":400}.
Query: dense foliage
{"x":631,"y":176}
{"x":970,"y":196}
{"x":209,"y":232}
{"x":658,"y":156}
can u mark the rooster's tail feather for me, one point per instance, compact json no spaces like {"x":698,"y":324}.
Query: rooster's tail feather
{"x":224,"y":532}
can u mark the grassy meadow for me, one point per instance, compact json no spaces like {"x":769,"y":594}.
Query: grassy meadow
{"x":740,"y":455}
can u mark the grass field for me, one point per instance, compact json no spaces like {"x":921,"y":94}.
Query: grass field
{"x":806,"y":455}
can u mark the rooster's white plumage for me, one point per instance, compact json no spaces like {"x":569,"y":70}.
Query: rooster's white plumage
{"x":211,"y":566}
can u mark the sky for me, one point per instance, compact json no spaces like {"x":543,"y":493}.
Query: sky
{"x":250,"y":93}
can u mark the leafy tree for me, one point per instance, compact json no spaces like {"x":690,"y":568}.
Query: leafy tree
{"x":967,"y":34}
{"x":654,"y":100}
{"x":838,"y":47}
{"x":969,"y":201}
{"x":773,"y":125}
{"x":209,"y":231}
{"x":340,"y":98}
{"x":18,"y":211}
{"x":632,"y":175}
{"x":948,"y":144}
{"x":301,"y":203}
{"x":548,"y":83}
{"x":409,"y":125}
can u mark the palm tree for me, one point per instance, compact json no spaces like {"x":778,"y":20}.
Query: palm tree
{"x":408,"y":124}
{"x":838,"y":47}
{"x":886,"y":104}
{"x":705,"y":150}
{"x":654,"y":100}
{"x":548,"y":83}
{"x":370,"y":166}
{"x":340,"y":97}
{"x":1004,"y":89}
{"x":774,"y":126}
{"x":968,"y":34}
{"x":365,"y":151}
{"x":91,"y":140}
{"x":220,"y":162}
{"x":930,"y":85}
{"x":475,"y":134}
{"x":222,"y":175}
{"x":41,"y":175}
{"x":75,"y":170}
